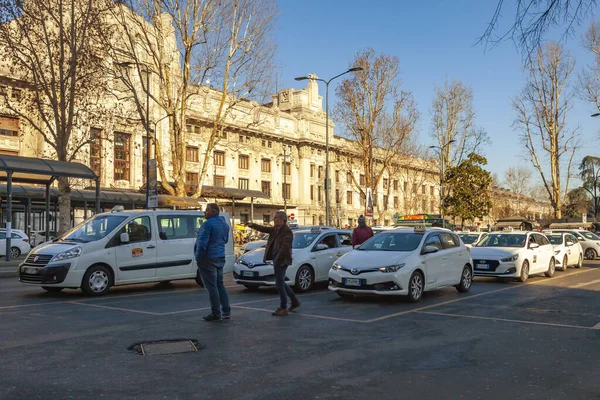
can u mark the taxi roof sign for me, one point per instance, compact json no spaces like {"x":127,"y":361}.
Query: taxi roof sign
{"x":420,"y":229}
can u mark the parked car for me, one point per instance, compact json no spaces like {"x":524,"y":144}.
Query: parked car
{"x":39,"y":237}
{"x":470,"y":239}
{"x":590,"y":242}
{"x":313,"y":252}
{"x":19,"y":243}
{"x":120,"y":248}
{"x":251,"y":246}
{"x":404,"y":262}
{"x":567,"y":250}
{"x":514,"y":254}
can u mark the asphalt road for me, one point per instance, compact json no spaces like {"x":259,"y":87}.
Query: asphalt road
{"x":500,"y":341}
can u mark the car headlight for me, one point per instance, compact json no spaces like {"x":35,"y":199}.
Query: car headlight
{"x":511,"y":258}
{"x":65,"y":255}
{"x":391,"y":268}
{"x":336,"y":267}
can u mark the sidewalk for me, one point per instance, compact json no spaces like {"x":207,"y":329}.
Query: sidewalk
{"x":8,"y":269}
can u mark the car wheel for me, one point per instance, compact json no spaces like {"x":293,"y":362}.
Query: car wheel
{"x":466,"y":279}
{"x":590,"y":254}
{"x":524,"y":272}
{"x":305,"y":279}
{"x":551,"y":268}
{"x":416,"y":284}
{"x":15,"y":252}
{"x":565,"y":263}
{"x":52,"y":289}
{"x":579,"y":262}
{"x":97,"y":280}
{"x":252,"y":288}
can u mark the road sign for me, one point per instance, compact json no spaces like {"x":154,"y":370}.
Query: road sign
{"x":292,"y":216}
{"x":153,"y":185}
{"x":395,"y":216}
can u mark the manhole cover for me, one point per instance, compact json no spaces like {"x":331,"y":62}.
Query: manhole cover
{"x":160,"y":347}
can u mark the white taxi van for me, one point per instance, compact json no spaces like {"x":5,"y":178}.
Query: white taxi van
{"x":121,"y":248}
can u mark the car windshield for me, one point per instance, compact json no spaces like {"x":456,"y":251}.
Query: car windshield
{"x":589,"y":235}
{"x":469,"y":238}
{"x":503,"y":240}
{"x":393,"y":241}
{"x":303,"y":239}
{"x":93,"y":229}
{"x":555,"y":239}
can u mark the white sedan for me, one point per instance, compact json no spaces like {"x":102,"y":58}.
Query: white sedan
{"x":514,"y":254}
{"x":470,"y":239}
{"x":567,"y":250}
{"x":313,"y":253}
{"x":406,"y":262}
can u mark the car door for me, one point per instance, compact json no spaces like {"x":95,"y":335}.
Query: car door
{"x":345,"y":241}
{"x":175,"y":245}
{"x":455,"y":259}
{"x":435,"y":262}
{"x":546,"y":251}
{"x":324,"y":258}
{"x":136,"y":260}
{"x":571,"y":248}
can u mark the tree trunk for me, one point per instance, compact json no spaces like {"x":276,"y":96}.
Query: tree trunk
{"x":64,"y":205}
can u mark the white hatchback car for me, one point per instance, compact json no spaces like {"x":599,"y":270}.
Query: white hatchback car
{"x":589,"y":241}
{"x":404,"y":261}
{"x":313,"y":253}
{"x":19,"y":243}
{"x":514,"y":254}
{"x":567,"y":250}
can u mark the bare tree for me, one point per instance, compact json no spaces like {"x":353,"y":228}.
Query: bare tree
{"x":533,"y":19}
{"x":376,"y":113}
{"x":55,"y":49}
{"x":589,"y":78}
{"x":453,"y":119}
{"x":542,"y":110}
{"x":517,"y":179}
{"x":185,"y":44}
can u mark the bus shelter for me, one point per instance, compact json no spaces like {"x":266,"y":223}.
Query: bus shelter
{"x":16,"y":169}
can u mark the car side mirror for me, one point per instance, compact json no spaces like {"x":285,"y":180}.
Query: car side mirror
{"x":533,"y":245}
{"x":124,"y":238}
{"x":321,"y":246}
{"x":580,"y":239}
{"x":162,"y":236}
{"x":430,"y":249}
{"x":570,"y":243}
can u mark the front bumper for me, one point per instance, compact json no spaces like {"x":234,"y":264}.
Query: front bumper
{"x":377,"y":283}
{"x":263,"y":275}
{"x":52,"y":274}
{"x":502,"y":269}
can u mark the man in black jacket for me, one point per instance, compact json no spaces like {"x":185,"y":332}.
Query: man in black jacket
{"x":279,"y":250}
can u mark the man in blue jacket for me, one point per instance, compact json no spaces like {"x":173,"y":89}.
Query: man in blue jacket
{"x":210,"y":257}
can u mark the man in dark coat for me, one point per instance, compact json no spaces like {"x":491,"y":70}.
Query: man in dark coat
{"x":362,"y":232}
{"x":279,"y":250}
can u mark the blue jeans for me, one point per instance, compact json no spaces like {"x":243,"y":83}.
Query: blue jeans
{"x":211,"y":272}
{"x":282,"y":287}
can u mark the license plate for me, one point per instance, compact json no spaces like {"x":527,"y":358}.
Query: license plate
{"x":352,"y":282}
{"x":482,"y":266}
{"x":248,"y":273}
{"x":30,"y":270}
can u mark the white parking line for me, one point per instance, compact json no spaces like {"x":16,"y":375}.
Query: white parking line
{"x":302,"y":314}
{"x":584,"y":284}
{"x":518,"y":321}
{"x":476,"y":295}
{"x":597,"y":326}
{"x":113,"y":308}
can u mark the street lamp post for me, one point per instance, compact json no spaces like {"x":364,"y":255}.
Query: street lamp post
{"x":285,"y":156}
{"x":302,"y":78}
{"x":147,"y":126}
{"x":442,"y":166}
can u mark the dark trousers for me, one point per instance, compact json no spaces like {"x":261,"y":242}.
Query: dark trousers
{"x":282,"y":287}
{"x":211,"y":272}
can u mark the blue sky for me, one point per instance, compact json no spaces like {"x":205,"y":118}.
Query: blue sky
{"x":434,"y":41}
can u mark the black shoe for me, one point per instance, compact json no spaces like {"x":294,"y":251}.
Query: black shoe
{"x":212,"y":317}
{"x":226,"y":316}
